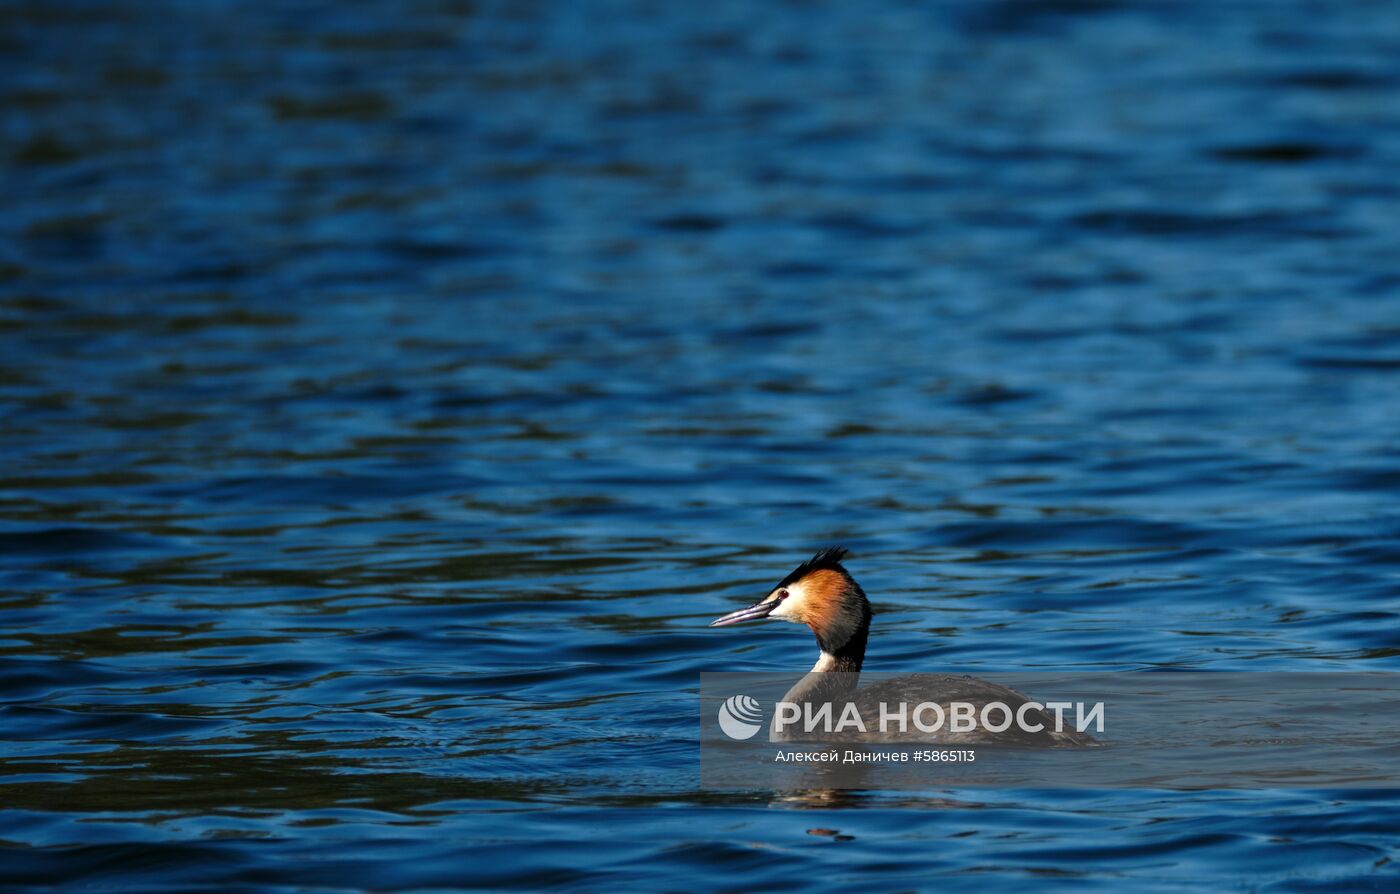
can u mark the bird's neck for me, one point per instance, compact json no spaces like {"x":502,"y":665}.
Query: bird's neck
{"x":836,"y":673}
{"x":845,"y":657}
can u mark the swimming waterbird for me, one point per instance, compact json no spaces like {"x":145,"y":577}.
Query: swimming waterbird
{"x":822,"y":594}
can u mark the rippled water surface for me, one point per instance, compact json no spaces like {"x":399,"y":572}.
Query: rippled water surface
{"x":392,"y":392}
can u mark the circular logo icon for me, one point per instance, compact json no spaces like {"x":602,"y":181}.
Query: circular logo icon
{"x":740,"y":717}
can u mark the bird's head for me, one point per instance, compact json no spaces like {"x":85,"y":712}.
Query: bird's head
{"x":819,"y":593}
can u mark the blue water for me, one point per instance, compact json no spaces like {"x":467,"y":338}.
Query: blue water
{"x":392,"y":392}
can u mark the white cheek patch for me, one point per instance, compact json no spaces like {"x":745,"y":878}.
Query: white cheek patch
{"x":788,"y":608}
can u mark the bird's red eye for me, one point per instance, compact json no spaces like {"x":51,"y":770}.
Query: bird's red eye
{"x":782,"y":594}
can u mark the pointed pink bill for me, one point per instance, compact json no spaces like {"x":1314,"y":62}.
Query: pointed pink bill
{"x":752,"y":613}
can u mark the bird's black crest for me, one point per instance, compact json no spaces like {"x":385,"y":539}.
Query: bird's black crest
{"x":825,"y":558}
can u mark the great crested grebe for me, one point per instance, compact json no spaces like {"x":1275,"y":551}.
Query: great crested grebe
{"x":822,"y":594}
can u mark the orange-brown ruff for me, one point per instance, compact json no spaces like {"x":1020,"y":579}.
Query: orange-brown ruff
{"x":822,"y":594}
{"x":839,"y":619}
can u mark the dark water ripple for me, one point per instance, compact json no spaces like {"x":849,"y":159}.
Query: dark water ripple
{"x":391,"y":392}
